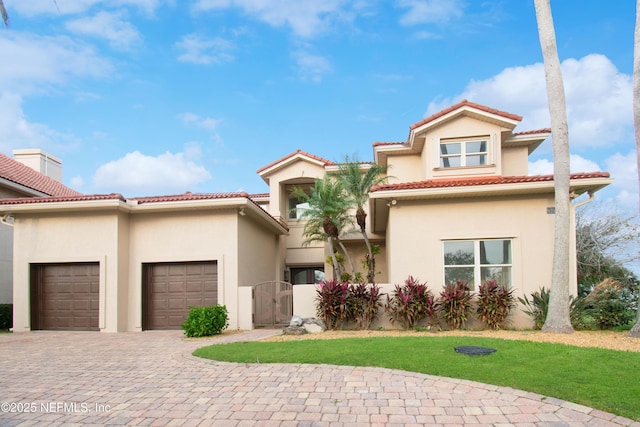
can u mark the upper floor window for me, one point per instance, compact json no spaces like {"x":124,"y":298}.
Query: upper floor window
{"x":296,"y":207}
{"x":475,"y":261}
{"x":463,"y":153}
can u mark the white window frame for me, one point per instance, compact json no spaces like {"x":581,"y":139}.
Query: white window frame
{"x":463,"y":152}
{"x":477,"y":266}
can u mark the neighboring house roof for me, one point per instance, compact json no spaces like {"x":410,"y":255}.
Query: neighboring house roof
{"x":533,"y":132}
{"x":24,"y":179}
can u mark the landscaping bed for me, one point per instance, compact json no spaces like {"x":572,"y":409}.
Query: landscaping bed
{"x":603,"y":339}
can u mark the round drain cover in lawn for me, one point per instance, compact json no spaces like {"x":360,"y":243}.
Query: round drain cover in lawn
{"x":474,"y":351}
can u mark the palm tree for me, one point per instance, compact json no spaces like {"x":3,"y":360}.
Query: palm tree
{"x":635,"y":331}
{"x":3,"y":13}
{"x":327,"y":215}
{"x":357,"y":182}
{"x":557,"y":320}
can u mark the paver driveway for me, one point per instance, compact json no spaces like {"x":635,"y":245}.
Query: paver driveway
{"x":150,"y":378}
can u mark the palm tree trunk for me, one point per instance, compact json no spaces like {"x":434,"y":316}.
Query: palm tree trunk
{"x":635,"y":331}
{"x":348,"y":257}
{"x":370,"y":261}
{"x":337,"y":271}
{"x":558,"y":317}
{"x":3,"y":14}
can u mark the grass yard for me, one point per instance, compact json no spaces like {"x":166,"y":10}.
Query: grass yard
{"x":603,"y":379}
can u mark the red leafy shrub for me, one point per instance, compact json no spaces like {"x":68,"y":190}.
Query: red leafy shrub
{"x":331,"y":302}
{"x":494,"y":304}
{"x":363,"y":302}
{"x":410,"y":303}
{"x":454,"y":303}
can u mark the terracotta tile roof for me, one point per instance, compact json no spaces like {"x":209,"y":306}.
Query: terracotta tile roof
{"x":259,"y":195}
{"x":54,"y":199}
{"x":533,"y":132}
{"x":295,"y":153}
{"x":16,"y":172}
{"x":474,"y":181}
{"x":188,"y":196}
{"x":465,"y":103}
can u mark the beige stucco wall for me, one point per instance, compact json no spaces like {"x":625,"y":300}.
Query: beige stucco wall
{"x":122,"y":242}
{"x":515,"y":161}
{"x":51,"y":238}
{"x":180,"y":237}
{"x":6,"y":264}
{"x":258,"y":256}
{"x":404,"y":169}
{"x":419,"y":228}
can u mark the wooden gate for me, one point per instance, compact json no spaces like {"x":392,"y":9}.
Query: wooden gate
{"x":272,"y":304}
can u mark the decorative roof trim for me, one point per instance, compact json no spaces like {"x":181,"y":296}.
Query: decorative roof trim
{"x":289,"y":157}
{"x":468,"y":104}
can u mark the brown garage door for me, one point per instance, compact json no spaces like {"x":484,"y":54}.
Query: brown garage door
{"x":65,"y":297}
{"x":169,"y":289}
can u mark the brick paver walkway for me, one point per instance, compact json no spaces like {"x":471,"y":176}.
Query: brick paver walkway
{"x":150,"y":378}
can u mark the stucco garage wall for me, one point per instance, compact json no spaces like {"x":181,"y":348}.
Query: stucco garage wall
{"x":6,"y":264}
{"x":51,"y":238}
{"x":419,"y":228}
{"x":207,"y":235}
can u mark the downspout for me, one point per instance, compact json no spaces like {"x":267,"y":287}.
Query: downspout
{"x":5,"y":219}
{"x":584,"y":202}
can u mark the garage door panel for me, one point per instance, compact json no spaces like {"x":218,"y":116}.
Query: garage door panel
{"x":65,"y":296}
{"x":171,"y":288}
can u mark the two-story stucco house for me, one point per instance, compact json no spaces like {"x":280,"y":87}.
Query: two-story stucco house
{"x":458,"y":204}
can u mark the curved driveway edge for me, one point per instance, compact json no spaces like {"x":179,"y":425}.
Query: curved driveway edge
{"x":150,"y":378}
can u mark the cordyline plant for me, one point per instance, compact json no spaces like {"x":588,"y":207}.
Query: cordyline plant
{"x":454,"y":303}
{"x":331,"y":302}
{"x":411,"y":303}
{"x":363,"y":302}
{"x":494,"y":304}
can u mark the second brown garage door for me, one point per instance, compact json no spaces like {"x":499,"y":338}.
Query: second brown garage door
{"x":169,"y":289}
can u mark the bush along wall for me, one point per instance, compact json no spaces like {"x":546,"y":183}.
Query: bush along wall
{"x":6,"y":317}
{"x":206,"y":321}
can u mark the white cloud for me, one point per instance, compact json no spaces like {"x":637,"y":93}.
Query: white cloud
{"x":311,"y":67}
{"x":578,"y":164}
{"x":598,"y":99}
{"x":109,"y":26}
{"x":71,"y":7}
{"x":39,"y":62}
{"x":206,"y":123}
{"x":306,"y":18}
{"x":137,"y":174}
{"x":430,"y":11}
{"x":624,"y":169}
{"x":16,"y":131}
{"x":199,"y":50}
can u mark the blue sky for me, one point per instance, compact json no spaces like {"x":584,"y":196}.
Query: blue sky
{"x":150,"y":97}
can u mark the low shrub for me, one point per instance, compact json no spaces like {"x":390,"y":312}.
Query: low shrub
{"x":331,"y":302}
{"x":6,"y":316}
{"x":363,"y":302}
{"x":609,"y":305}
{"x":454,"y":303}
{"x":411,"y":303}
{"x":538,"y":308}
{"x":206,"y":321}
{"x":494,"y":304}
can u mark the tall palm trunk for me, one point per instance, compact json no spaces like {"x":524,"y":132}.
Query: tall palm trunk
{"x":635,"y":331}
{"x":370,"y":261}
{"x":348,"y":257}
{"x":558,"y":316}
{"x":3,"y":14}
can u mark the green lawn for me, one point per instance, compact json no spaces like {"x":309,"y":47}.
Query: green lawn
{"x":604,"y":379}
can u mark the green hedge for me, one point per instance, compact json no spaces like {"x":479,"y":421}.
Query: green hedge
{"x":206,"y":321}
{"x":6,"y":316}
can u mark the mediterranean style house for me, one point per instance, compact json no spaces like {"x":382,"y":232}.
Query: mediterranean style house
{"x":459,"y":203}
